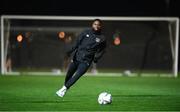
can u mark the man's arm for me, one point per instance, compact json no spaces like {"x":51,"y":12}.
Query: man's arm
{"x":75,"y":44}
{"x":100,"y":52}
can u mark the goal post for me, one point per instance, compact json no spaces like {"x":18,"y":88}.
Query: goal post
{"x":173,"y":31}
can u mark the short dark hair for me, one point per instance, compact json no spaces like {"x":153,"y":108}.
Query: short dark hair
{"x":99,"y":20}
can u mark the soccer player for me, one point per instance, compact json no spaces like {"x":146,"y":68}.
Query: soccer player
{"x":89,"y":47}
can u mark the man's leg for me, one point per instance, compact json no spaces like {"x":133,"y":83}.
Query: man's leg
{"x":72,"y":68}
{"x":82,"y":68}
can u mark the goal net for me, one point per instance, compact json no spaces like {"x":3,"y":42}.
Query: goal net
{"x":135,"y":45}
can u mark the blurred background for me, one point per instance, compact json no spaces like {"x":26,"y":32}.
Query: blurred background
{"x":134,"y":48}
{"x":37,"y":44}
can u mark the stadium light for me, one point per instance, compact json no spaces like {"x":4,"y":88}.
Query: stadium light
{"x":117,"y":41}
{"x":61,"y":35}
{"x":19,"y":38}
{"x":116,"y":38}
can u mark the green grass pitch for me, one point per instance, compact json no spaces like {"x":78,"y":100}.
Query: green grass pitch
{"x":37,"y":93}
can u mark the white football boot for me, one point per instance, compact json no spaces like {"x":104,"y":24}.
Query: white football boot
{"x":62,"y":91}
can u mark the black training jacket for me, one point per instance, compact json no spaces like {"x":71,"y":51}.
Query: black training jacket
{"x":89,"y":46}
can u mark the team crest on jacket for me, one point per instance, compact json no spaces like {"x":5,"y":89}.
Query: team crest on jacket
{"x":97,"y":39}
{"x":87,"y":35}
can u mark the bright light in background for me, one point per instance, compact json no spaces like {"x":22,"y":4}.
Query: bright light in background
{"x":19,"y":38}
{"x":61,"y":35}
{"x":117,"y":41}
{"x":116,"y":38}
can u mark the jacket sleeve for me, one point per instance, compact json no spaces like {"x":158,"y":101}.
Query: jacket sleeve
{"x":100,"y":52}
{"x":75,"y":44}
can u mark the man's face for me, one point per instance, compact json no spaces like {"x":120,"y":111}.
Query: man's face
{"x":96,"y":26}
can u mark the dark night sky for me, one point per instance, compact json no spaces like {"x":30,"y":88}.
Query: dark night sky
{"x":91,"y":7}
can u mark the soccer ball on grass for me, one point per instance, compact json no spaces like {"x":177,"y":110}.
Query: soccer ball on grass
{"x":104,"y":98}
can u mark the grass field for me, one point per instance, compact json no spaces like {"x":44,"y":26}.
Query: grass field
{"x":21,"y":93}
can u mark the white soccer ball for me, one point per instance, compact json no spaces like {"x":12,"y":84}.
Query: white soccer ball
{"x":104,"y":98}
